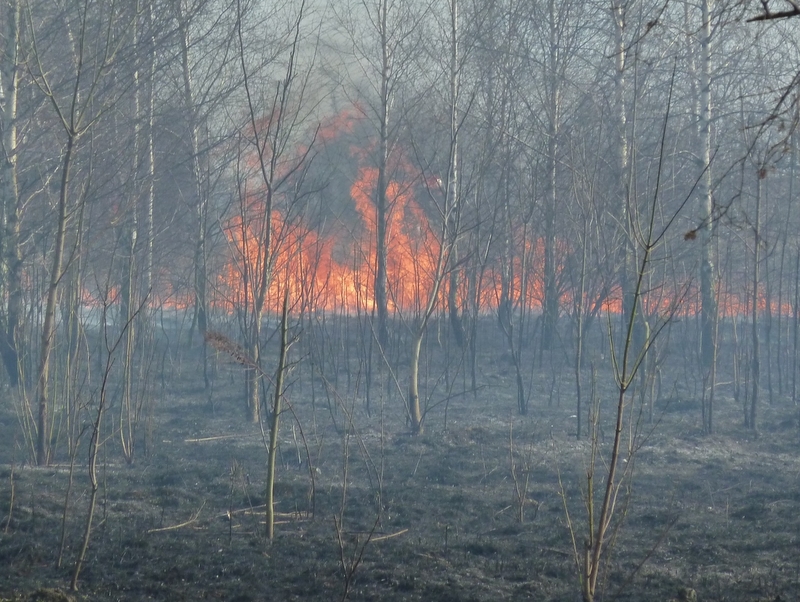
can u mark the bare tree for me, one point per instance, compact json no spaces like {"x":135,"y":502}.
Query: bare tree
{"x":267,"y":139}
{"x":621,"y":167}
{"x":445,"y":198}
{"x":708,"y":295}
{"x":192,"y":113}
{"x":384,"y":35}
{"x":75,"y":98}
{"x":603,"y":491}
{"x":112,"y":344}
{"x":11,"y":287}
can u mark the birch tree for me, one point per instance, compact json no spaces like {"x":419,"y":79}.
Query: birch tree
{"x":10,"y":254}
{"x":73,"y":91}
{"x":445,"y":197}
{"x":708,"y":294}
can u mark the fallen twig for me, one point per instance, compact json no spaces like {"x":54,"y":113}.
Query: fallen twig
{"x":183,"y":524}
{"x":382,"y":537}
{"x":219,"y":437}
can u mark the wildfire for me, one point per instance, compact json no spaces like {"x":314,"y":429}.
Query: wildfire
{"x":412,"y":247}
{"x":333,"y":269}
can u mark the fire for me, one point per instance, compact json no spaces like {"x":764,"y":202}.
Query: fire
{"x":412,"y":247}
{"x":332,"y":269}
{"x":335,"y":270}
{"x":307,"y":263}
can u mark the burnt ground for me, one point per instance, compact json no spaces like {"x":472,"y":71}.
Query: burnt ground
{"x":718,"y":514}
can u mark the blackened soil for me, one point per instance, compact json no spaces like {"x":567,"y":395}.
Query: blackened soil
{"x":486,"y":505}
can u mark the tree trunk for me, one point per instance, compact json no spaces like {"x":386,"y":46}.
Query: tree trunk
{"x":151,"y":174}
{"x":627,"y":263}
{"x":707,"y":284}
{"x":551,"y":300}
{"x":276,"y":415}
{"x":414,"y":408}
{"x":200,"y":201}
{"x":49,"y":324}
{"x":381,"y":202}
{"x":253,"y":375}
{"x":10,"y":239}
{"x":130,"y":294}
{"x":453,"y":202}
{"x":756,"y":359}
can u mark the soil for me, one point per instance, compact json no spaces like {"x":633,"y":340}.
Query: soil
{"x":433,"y":517}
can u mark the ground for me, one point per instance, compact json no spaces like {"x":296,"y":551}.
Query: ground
{"x":434,"y":517}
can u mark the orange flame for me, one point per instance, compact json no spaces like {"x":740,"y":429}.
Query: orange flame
{"x":334,"y":271}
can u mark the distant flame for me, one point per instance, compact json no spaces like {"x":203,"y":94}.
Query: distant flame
{"x":334,"y":271}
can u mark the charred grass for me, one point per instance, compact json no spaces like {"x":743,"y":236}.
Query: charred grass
{"x":718,"y":514}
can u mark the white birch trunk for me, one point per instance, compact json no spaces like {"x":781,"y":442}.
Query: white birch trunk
{"x":10,"y":257}
{"x":707,"y":283}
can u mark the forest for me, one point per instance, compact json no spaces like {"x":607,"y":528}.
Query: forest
{"x":399,"y":300}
